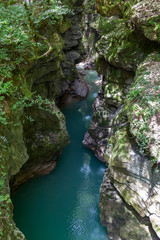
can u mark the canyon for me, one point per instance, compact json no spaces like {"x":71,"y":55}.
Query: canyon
{"x":121,"y":40}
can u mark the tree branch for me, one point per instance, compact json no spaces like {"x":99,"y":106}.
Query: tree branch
{"x":49,"y":47}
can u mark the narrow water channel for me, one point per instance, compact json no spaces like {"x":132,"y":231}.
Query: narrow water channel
{"x":64,"y":204}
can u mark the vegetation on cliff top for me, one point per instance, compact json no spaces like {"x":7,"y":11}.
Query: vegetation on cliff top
{"x":22,"y":42}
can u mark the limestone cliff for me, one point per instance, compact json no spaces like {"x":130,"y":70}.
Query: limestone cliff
{"x":32,"y":130}
{"x":125,"y":126}
{"x":51,"y":77}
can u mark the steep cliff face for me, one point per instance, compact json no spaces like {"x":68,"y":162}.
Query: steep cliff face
{"x":124,"y":130}
{"x":33,"y":131}
{"x":90,"y":29}
{"x":52,"y":76}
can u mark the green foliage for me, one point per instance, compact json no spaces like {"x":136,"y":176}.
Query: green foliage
{"x":6,"y":89}
{"x":142,"y":104}
{"x":14,"y":41}
{"x":54,"y":13}
{"x":20,"y":40}
{"x":4,"y":145}
{"x":119,"y":8}
{"x":21,"y":43}
{"x":19,"y":101}
{"x":10,"y":115}
{"x":105,"y":26}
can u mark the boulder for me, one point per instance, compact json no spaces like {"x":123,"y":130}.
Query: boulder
{"x":146,"y":16}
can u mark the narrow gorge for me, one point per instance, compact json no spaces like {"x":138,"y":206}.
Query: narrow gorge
{"x":64,"y":204}
{"x":41,"y":44}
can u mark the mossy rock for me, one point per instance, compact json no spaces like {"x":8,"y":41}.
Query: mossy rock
{"x":100,"y":65}
{"x":47,"y":134}
{"x":8,"y":228}
{"x":133,"y":176}
{"x":142,"y":105}
{"x":120,"y":220}
{"x":108,"y":8}
{"x":124,"y":162}
{"x":146,"y":16}
{"x":119,"y":76}
{"x":122,"y":47}
{"x":116,"y":84}
{"x":114,"y":93}
{"x":66,"y":25}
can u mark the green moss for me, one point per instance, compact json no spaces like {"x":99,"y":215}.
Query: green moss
{"x":142,"y":105}
{"x":114,"y":92}
{"x":120,"y":45}
{"x":66,"y":25}
{"x":108,"y":8}
{"x":115,"y":7}
{"x":146,"y":16}
{"x":57,"y":43}
{"x":120,"y":147}
{"x":7,"y":226}
{"x":100,"y":65}
{"x":16,"y":96}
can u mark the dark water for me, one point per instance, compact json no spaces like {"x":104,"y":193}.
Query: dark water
{"x":64,"y":204}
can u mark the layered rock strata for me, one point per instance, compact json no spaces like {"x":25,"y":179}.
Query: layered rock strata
{"x":36,"y":133}
{"x":124,"y":130}
{"x":51,"y":77}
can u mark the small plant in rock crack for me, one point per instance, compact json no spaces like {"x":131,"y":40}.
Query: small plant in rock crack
{"x":154,"y":160}
{"x":14,"y":100}
{"x":4,"y":144}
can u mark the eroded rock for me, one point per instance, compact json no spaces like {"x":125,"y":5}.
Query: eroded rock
{"x":143,"y":106}
{"x":126,"y":118}
{"x":146,"y":16}
{"x":121,"y":222}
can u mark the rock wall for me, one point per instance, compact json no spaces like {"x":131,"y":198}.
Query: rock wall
{"x":52,"y":77}
{"x":36,"y":133}
{"x":124,"y":130}
{"x":90,"y":29}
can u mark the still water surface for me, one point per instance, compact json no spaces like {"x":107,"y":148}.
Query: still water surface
{"x":64,"y":204}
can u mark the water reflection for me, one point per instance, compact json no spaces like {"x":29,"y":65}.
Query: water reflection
{"x":87,"y":117}
{"x":85,"y":169}
{"x":95,"y":95}
{"x":84,"y":217}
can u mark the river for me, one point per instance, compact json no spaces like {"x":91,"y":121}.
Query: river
{"x":64,"y":204}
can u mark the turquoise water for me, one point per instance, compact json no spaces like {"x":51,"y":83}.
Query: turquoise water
{"x":64,"y":204}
